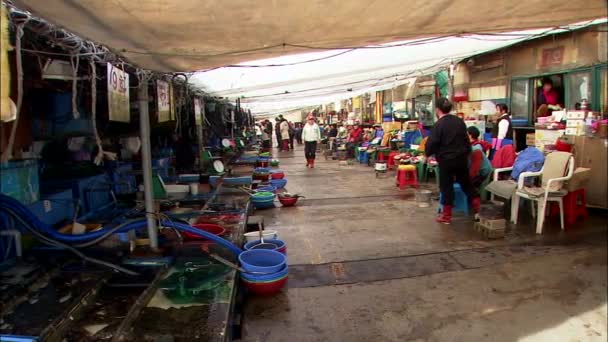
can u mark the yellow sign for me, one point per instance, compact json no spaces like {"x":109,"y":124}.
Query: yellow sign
{"x":7,"y":110}
{"x":118,"y":94}
{"x":164,"y":96}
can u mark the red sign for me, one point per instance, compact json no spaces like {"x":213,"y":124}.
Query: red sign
{"x":553,"y":56}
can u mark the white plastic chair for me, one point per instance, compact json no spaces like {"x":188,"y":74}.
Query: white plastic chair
{"x":554,"y":162}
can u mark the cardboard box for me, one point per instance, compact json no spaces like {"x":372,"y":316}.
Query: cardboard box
{"x":575,"y":123}
{"x":544,"y":137}
{"x":576,"y":131}
{"x":576,"y":114}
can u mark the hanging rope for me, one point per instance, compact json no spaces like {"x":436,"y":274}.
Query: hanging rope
{"x":75,"y":62}
{"x":8,"y":153}
{"x":100,"y":153}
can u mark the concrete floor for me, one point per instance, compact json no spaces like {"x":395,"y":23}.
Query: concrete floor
{"x":447,"y":284}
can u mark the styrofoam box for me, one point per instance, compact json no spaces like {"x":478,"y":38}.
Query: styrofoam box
{"x":575,"y":123}
{"x":575,"y":131}
{"x":576,"y":114}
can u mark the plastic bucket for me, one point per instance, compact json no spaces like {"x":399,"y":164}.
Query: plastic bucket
{"x":281,"y":245}
{"x":262,"y":260}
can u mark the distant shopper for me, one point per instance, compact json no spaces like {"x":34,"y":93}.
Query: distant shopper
{"x":267,"y":134}
{"x":292,"y":134}
{"x":479,"y":164}
{"x":284,"y":131}
{"x":503,"y":129}
{"x":299,"y":133}
{"x":277,"y":131}
{"x":258,"y":131}
{"x":450,"y":145}
{"x":311,"y":134}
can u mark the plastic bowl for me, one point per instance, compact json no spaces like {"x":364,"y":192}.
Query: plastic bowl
{"x":266,"y":289}
{"x":267,"y":234}
{"x":267,"y":188}
{"x":262,"y":260}
{"x":214,"y":229}
{"x":265,"y":278}
{"x":288,"y":201}
{"x":262,"y":196}
{"x":281,"y":245}
{"x":261,"y":170}
{"x":277,"y":175}
{"x":278,"y":183}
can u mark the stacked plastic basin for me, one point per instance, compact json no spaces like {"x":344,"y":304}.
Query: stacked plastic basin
{"x":278,"y":183}
{"x":281,"y":245}
{"x":263,"y":199}
{"x":266,"y":271}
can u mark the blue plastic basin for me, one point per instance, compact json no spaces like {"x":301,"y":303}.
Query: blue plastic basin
{"x":279,"y":183}
{"x":280,"y":243}
{"x":262,"y":260}
{"x":258,"y":278}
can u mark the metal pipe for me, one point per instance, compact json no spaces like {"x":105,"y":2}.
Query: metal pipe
{"x":16,"y":240}
{"x":146,"y":160}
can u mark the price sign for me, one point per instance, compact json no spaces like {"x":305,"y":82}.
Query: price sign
{"x":164,"y":95}
{"x":118,"y":94}
{"x":198,"y":118}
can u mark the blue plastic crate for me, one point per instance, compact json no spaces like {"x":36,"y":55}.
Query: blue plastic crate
{"x":54,"y":208}
{"x":19,"y":180}
{"x":121,"y":174}
{"x":91,"y":192}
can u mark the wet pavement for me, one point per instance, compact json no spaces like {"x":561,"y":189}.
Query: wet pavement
{"x":366,"y":263}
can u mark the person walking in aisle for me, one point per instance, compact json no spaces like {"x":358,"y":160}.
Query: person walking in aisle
{"x":449,"y":143}
{"x":284,"y":128}
{"x":299,"y":133}
{"x":277,"y":131}
{"x":311,"y":134}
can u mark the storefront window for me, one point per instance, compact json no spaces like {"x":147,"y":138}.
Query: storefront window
{"x":520,"y":100}
{"x":603,"y":91}
{"x":579,"y":89}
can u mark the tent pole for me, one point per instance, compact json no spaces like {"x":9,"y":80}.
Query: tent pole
{"x":146,"y":154}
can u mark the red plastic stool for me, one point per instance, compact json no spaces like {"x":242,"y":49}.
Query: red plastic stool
{"x":391,"y":159}
{"x":575,"y":206}
{"x":407,"y":175}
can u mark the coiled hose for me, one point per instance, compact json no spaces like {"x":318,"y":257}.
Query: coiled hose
{"x":88,"y":239}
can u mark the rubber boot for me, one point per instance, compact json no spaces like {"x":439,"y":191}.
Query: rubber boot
{"x":312,"y":163}
{"x":307,"y":163}
{"x":446,"y":215}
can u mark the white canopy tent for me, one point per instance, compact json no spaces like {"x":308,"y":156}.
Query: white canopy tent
{"x":284,"y":83}
{"x":190,"y":35}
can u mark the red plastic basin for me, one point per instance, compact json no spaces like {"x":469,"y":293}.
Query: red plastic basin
{"x":288,"y":201}
{"x":214,"y":229}
{"x":266,"y":289}
{"x":279,"y":175}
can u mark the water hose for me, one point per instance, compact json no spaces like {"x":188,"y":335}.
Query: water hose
{"x":8,"y":203}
